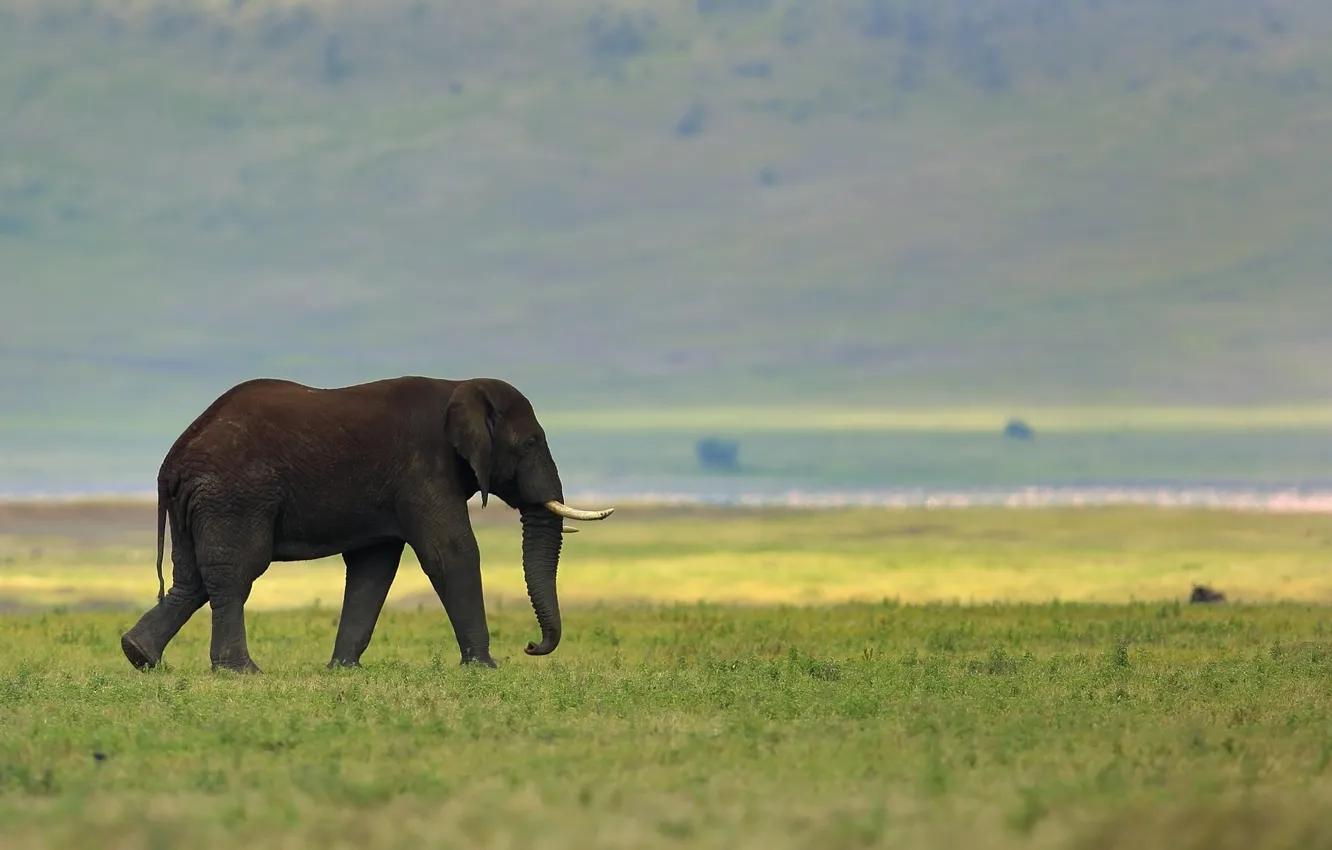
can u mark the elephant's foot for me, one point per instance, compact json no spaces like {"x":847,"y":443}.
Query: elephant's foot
{"x":477,"y":657}
{"x":344,"y":662}
{"x":141,"y":656}
{"x":237,"y":665}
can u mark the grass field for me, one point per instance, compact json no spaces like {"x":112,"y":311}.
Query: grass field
{"x":687,"y":719}
{"x":747,"y":557}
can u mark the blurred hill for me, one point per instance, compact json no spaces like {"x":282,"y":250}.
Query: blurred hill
{"x":625,"y":203}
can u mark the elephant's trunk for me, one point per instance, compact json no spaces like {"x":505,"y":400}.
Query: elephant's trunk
{"x":541,"y":557}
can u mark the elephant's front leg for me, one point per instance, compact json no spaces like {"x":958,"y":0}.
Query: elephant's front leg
{"x":370,"y":574}
{"x":453,"y":566}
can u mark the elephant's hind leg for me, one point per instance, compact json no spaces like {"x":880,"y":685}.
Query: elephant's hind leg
{"x":144,"y":644}
{"x":229,"y":649}
{"x":231,"y":556}
{"x":370,"y":574}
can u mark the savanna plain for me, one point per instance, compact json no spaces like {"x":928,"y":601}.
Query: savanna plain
{"x":730,"y":678}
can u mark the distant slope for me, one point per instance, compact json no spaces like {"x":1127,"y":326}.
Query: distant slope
{"x":628,"y":203}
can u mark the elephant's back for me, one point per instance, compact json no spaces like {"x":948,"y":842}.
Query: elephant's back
{"x":304,"y":457}
{"x":256,"y":403}
{"x":283,"y":427}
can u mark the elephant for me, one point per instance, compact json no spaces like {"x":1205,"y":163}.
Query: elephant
{"x":275,"y":470}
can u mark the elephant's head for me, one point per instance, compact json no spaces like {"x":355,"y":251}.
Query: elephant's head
{"x":493,"y":428}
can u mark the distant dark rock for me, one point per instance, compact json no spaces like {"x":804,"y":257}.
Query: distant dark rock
{"x":1202,"y":594}
{"x":1016,"y":429}
{"x":692,"y":122}
{"x":718,"y":455}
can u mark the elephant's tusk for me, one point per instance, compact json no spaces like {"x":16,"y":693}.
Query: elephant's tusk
{"x":560,"y":509}
{"x":568,"y":529}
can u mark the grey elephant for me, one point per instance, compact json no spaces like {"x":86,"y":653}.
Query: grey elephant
{"x":278,"y":471}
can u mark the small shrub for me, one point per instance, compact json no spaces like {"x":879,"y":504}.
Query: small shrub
{"x":617,"y":36}
{"x":692,"y":122}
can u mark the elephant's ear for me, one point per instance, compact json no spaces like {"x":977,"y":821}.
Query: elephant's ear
{"x":469,"y":423}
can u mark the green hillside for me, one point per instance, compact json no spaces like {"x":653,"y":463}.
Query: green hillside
{"x":627,"y":204}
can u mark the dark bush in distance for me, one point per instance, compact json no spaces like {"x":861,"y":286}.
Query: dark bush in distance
{"x":717,"y":454}
{"x":692,"y":122}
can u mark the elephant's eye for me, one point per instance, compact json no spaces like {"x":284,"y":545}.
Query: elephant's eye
{"x":530,"y":442}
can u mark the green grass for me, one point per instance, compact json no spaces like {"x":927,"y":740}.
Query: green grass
{"x":1114,"y":555}
{"x":701,"y":726}
{"x":707,"y":710}
{"x":690,"y":702}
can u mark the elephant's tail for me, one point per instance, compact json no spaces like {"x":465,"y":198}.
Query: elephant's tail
{"x":161,"y":539}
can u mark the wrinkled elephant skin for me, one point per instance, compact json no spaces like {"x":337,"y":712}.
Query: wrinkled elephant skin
{"x":279,"y":471}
